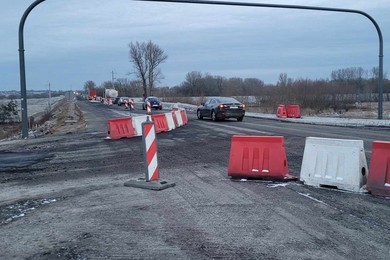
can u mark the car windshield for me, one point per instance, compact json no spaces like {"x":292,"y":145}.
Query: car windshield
{"x":153,"y":99}
{"x":227,"y":100}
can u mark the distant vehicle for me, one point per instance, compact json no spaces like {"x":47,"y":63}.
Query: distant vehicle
{"x":91,"y":94}
{"x":154,"y":103}
{"x":122,"y":100}
{"x":115,"y":101}
{"x":220,"y":108}
{"x":110,"y":95}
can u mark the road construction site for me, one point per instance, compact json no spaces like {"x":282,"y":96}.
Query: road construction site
{"x":65,"y":197}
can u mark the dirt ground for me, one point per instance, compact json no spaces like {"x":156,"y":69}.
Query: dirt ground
{"x":64,"y":118}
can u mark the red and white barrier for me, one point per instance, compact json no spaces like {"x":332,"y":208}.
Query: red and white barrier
{"x":179,"y":119}
{"x":170,"y":121}
{"x":163,"y":122}
{"x":137,"y":124}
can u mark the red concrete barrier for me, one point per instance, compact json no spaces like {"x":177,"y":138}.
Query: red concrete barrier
{"x":281,"y":112}
{"x":378,"y":180}
{"x":258,"y":157}
{"x":293,"y":111}
{"x":120,"y":128}
{"x":161,"y":123}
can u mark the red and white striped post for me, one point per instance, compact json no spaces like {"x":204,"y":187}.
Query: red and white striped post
{"x":151,"y":180}
{"x":148,"y":107}
{"x":150,"y":150}
{"x":131,"y":104}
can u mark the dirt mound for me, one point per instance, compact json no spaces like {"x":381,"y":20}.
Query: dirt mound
{"x":66,"y":117}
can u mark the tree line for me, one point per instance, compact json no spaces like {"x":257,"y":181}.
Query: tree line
{"x":345,"y":86}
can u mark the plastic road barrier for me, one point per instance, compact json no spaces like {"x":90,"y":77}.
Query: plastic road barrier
{"x":293,"y":111}
{"x":378,"y":182}
{"x":137,"y":124}
{"x":338,"y":163}
{"x":183,"y":114}
{"x":281,"y":112}
{"x":161,"y":123}
{"x":179,"y":120}
{"x":258,"y":157}
{"x":120,"y":128}
{"x":170,"y":121}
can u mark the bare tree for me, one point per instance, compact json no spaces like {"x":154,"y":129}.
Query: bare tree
{"x":154,"y":56}
{"x":137,"y":57}
{"x":146,"y":58}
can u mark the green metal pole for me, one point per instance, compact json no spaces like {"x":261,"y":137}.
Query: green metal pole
{"x":23,"y":91}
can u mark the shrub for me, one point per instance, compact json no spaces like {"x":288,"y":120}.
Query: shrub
{"x":9,"y":112}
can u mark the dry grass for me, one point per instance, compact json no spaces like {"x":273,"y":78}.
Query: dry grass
{"x":366,"y":110}
{"x":9,"y":129}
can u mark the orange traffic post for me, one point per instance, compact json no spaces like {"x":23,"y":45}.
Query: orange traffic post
{"x":378,"y":180}
{"x":258,"y":157}
{"x":120,"y":128}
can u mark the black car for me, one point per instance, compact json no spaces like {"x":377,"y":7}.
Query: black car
{"x":219,"y":108}
{"x":115,"y":101}
{"x":154,"y":103}
{"x":122,"y":100}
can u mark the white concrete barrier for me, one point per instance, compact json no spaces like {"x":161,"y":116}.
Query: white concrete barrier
{"x":171,"y":122}
{"x":137,"y":124}
{"x":178,"y":117}
{"x":338,"y":163}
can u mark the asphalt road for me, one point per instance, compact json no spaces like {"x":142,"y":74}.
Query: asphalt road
{"x":71,"y":202}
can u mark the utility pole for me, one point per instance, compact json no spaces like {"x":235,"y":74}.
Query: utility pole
{"x":49,"y":97}
{"x":112,"y":78}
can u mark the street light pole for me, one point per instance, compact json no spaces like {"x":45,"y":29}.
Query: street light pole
{"x":34,"y":4}
{"x":49,"y":98}
{"x":22,"y":66}
{"x":314,"y":8}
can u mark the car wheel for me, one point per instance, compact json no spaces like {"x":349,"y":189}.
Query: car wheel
{"x":239,"y":119}
{"x":143,"y":107}
{"x":198,"y":114}
{"x":214,"y":116}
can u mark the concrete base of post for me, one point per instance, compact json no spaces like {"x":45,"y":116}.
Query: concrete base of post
{"x":150,"y":185}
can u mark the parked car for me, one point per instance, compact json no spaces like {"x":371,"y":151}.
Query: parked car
{"x":219,"y":108}
{"x":121,"y":100}
{"x":154,"y":103}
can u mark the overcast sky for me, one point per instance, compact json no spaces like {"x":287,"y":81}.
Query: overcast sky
{"x":68,"y":42}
